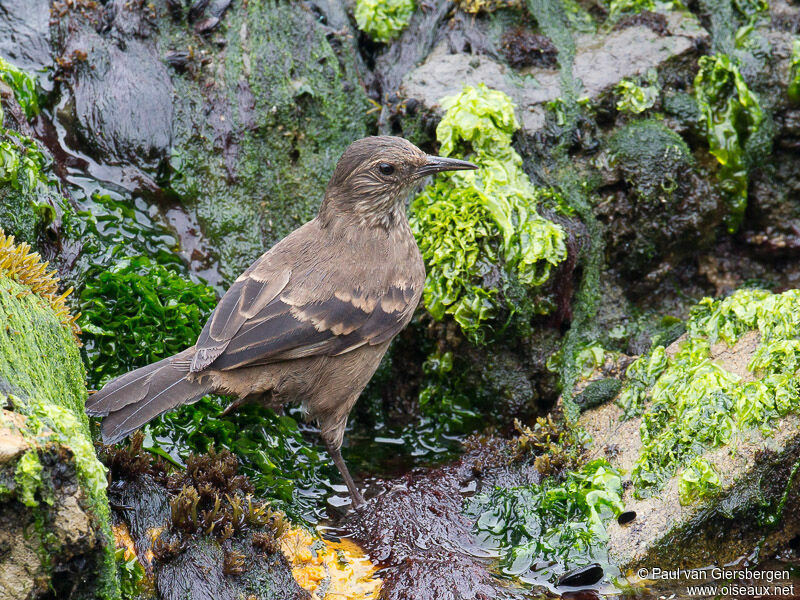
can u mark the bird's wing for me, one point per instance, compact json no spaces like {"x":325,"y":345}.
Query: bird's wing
{"x":254,"y":290}
{"x":272,"y":314}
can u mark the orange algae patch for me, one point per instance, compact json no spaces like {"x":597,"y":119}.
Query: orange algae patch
{"x":330,"y":570}
{"x":123,"y":539}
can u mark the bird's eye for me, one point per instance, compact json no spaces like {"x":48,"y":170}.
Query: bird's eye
{"x":386,"y":168}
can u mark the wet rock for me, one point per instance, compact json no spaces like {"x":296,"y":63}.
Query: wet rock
{"x":662,"y":208}
{"x":412,"y":46}
{"x":25,"y":33}
{"x":600,"y":63}
{"x":655,"y":21}
{"x":417,"y":532}
{"x":523,"y":48}
{"x":121,"y":95}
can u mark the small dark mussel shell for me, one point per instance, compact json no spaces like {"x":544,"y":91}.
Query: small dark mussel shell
{"x":588,"y":575}
{"x":626,"y":517}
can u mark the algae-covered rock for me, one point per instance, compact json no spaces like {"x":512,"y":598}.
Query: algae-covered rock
{"x":55,"y":533}
{"x":708,"y":432}
{"x":237,"y":111}
{"x":661,"y":207}
{"x":260,"y":124}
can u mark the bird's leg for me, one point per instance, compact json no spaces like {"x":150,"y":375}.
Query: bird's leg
{"x":336,"y":455}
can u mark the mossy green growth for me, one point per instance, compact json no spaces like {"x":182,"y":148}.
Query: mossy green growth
{"x":138,"y":312}
{"x":635,"y":96}
{"x":731,"y":115}
{"x":479,"y":232}
{"x":23,"y":86}
{"x":383,"y":20}
{"x":751,"y":9}
{"x":652,"y":158}
{"x":696,"y":405}
{"x":42,"y":376}
{"x":286,"y":101}
{"x":794,"y":74}
{"x":555,"y":521}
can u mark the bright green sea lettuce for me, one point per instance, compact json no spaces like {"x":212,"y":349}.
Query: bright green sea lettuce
{"x":690,"y":404}
{"x":23,"y":85}
{"x":730,"y":114}
{"x":698,"y":480}
{"x":555,"y":521}
{"x":468,"y":223}
{"x":794,"y":76}
{"x":138,"y":312}
{"x":636,"y":97}
{"x":383,"y":20}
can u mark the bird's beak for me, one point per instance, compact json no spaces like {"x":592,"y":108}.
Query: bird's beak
{"x":437,"y":164}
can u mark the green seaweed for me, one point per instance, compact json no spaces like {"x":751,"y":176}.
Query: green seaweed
{"x":28,"y":478}
{"x":443,"y":398}
{"x":751,"y":10}
{"x":468,"y":223}
{"x":730,"y":115}
{"x":793,"y":89}
{"x":698,"y":480}
{"x":138,"y":312}
{"x":555,"y":520}
{"x":27,"y":191}
{"x":636,"y":97}
{"x":131,"y":574}
{"x":383,"y":20}
{"x":23,"y":86}
{"x":690,"y":404}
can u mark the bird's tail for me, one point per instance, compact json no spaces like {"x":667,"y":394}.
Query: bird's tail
{"x":133,"y":399}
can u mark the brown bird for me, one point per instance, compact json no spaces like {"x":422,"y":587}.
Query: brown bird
{"x":311,"y":319}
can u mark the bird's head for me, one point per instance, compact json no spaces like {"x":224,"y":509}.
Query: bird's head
{"x":374,"y":177}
